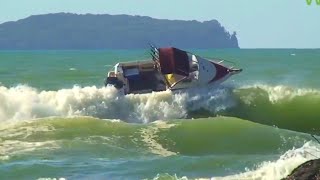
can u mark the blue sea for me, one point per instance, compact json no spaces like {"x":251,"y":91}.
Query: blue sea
{"x":58,"y":121}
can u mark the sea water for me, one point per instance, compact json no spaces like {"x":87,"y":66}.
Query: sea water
{"x":58,"y":121}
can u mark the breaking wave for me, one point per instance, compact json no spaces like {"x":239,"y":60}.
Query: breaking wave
{"x":23,"y":102}
{"x":285,"y":107}
{"x":276,"y":169}
{"x":283,"y":166}
{"x":282,"y":106}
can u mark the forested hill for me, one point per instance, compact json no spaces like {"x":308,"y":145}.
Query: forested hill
{"x":72,"y":31}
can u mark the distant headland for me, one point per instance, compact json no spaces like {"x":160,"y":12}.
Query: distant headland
{"x":73,"y":31}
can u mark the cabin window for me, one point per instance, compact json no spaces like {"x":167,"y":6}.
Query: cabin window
{"x":131,"y":73}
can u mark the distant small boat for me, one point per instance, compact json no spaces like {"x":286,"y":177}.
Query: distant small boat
{"x":170,"y":68}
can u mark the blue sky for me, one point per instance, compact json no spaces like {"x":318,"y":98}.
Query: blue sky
{"x":258,"y":23}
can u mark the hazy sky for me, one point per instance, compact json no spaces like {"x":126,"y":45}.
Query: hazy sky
{"x":259,"y":23}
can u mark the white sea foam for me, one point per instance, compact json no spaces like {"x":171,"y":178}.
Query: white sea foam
{"x":283,"y":166}
{"x":149,"y":136}
{"x":212,"y":99}
{"x":280,"y":92}
{"x":10,"y":148}
{"x":274,"y":170}
{"x":24,"y":102}
{"x":52,"y":178}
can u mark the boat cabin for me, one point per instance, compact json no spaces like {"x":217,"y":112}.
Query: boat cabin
{"x":170,"y":68}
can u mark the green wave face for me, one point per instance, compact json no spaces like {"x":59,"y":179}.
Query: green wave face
{"x":294,"y":109}
{"x":82,"y":134}
{"x":289,"y":108}
{"x":226,"y":135}
{"x":67,"y":146}
{"x":56,"y":118}
{"x":222,"y":135}
{"x":281,"y":106}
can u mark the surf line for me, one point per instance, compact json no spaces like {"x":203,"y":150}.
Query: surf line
{"x":315,"y":138}
{"x":318,"y":142}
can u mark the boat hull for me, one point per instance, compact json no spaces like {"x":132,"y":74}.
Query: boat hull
{"x":170,"y":69}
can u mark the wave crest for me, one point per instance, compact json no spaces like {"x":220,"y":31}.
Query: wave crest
{"x":282,"y":106}
{"x":24,"y":102}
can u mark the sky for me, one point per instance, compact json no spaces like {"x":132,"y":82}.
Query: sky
{"x":258,"y":23}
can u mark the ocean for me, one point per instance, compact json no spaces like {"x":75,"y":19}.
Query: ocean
{"x":58,"y":121}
